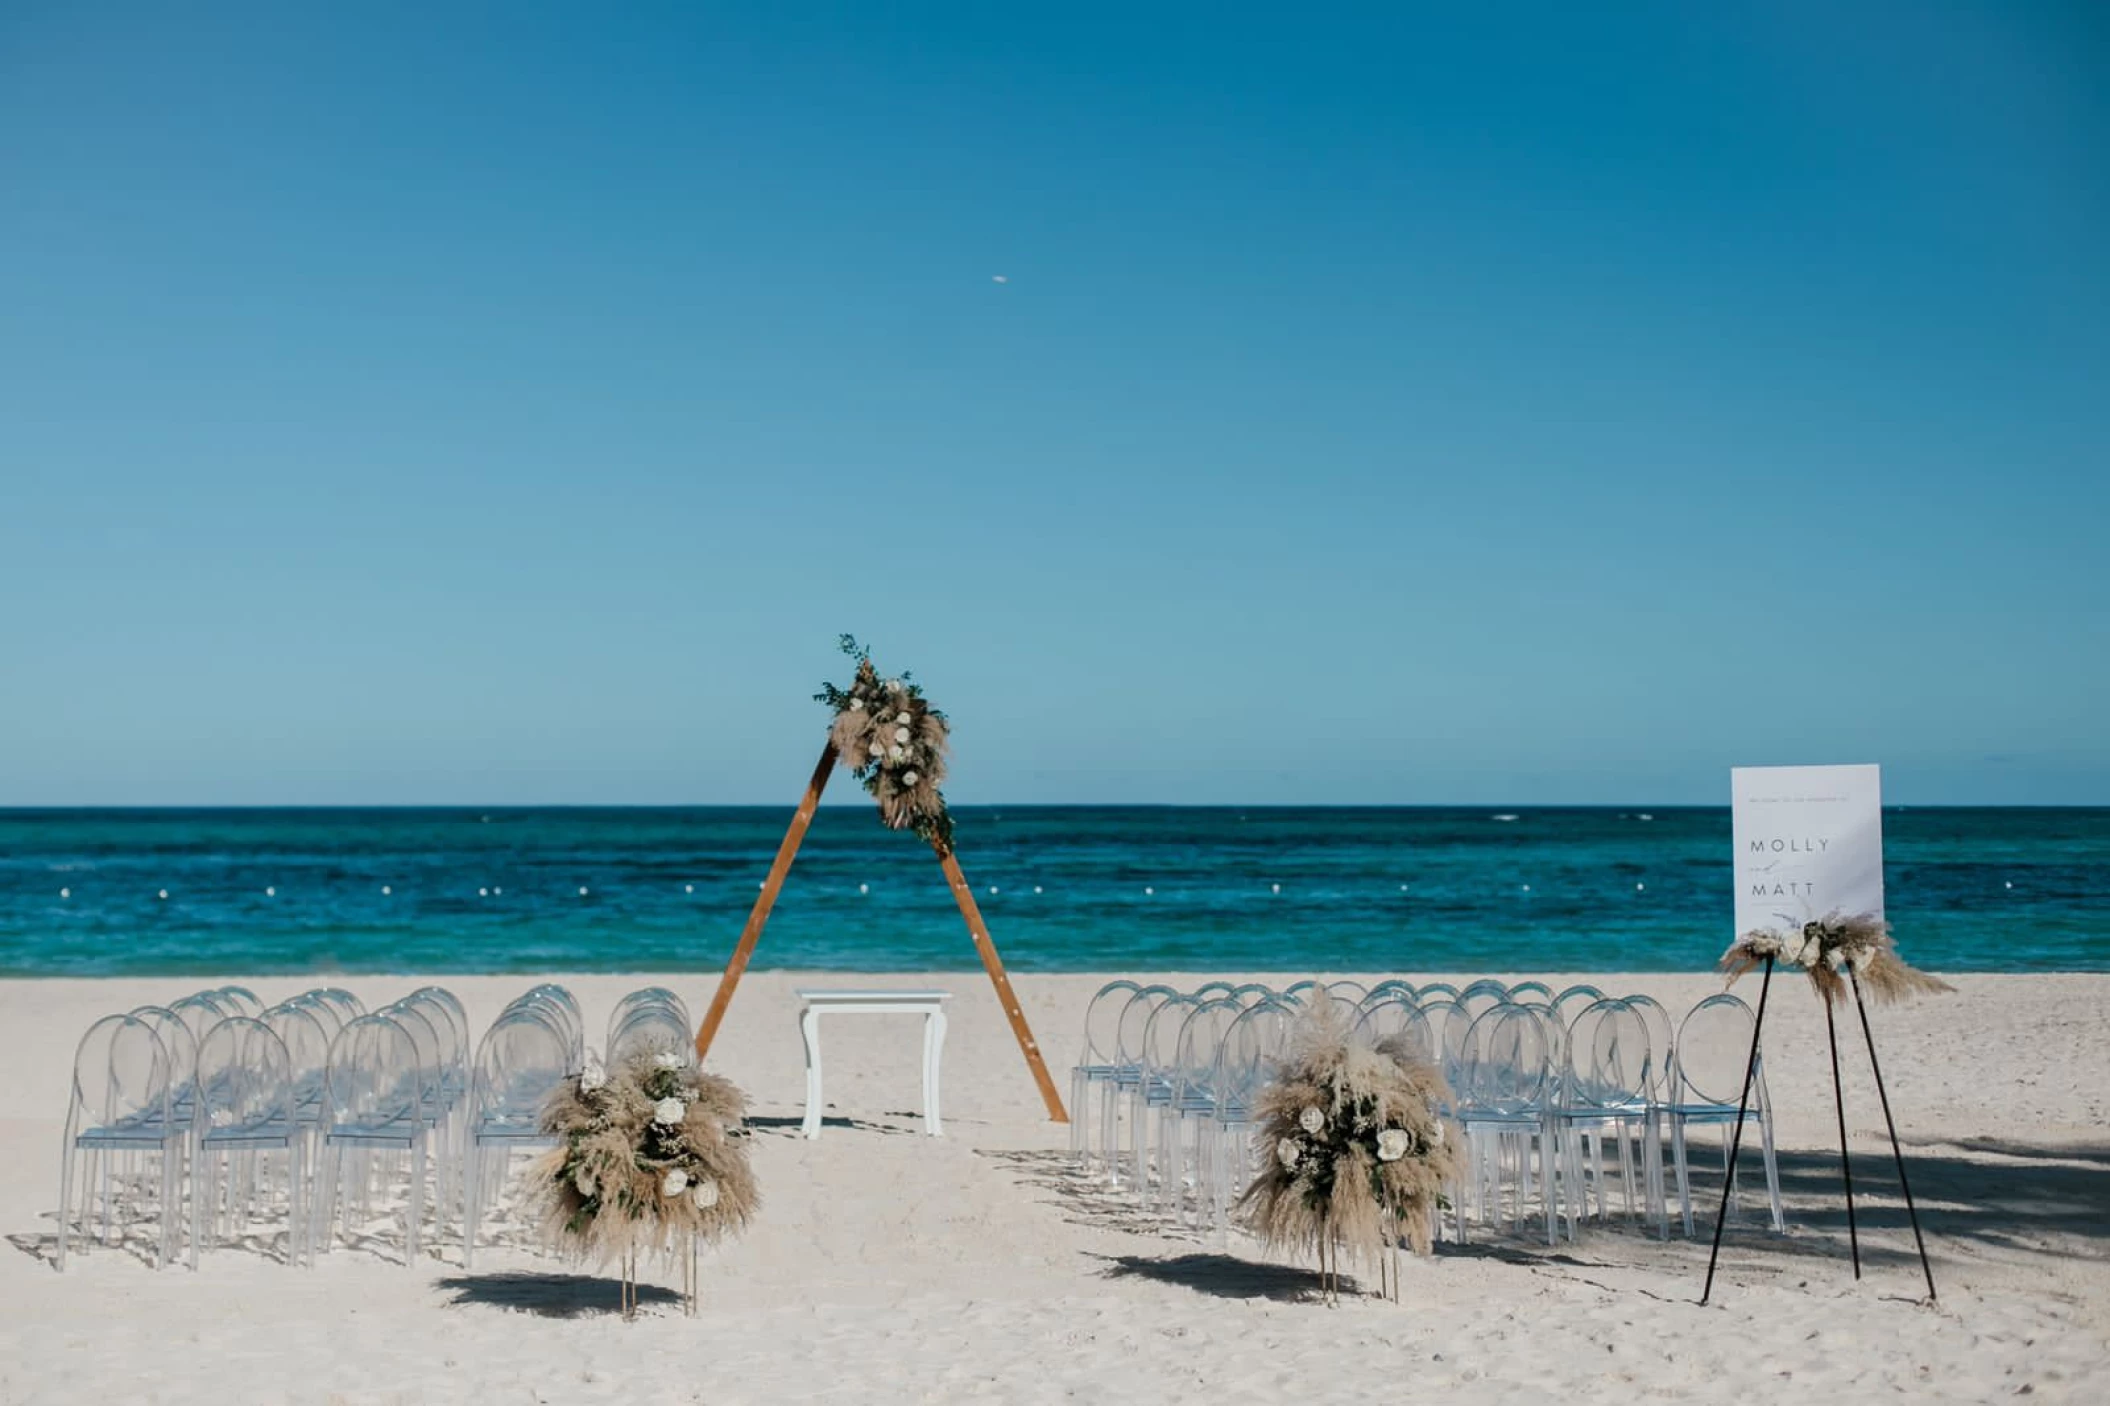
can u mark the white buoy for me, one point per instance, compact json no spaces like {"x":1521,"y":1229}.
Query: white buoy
{"x":1402,"y":888}
{"x":1146,"y":889}
{"x":994,"y":890}
{"x":1527,"y":888}
{"x":386,"y":890}
{"x":164,"y":893}
{"x":1036,"y":888}
{"x":1277,"y":888}
{"x":2008,"y":885}
{"x":582,"y":890}
{"x":271,"y":891}
{"x":497,"y":892}
{"x":1639,"y":887}
{"x":864,"y":888}
{"x":65,"y":893}
{"x":688,"y":888}
{"x":483,"y":893}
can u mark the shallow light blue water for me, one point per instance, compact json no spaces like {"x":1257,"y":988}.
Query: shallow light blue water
{"x":1074,"y":888}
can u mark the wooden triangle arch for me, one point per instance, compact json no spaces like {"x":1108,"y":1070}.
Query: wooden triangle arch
{"x":963,"y":895}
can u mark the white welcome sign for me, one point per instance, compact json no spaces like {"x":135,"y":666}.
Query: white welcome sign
{"x":1809,"y":841}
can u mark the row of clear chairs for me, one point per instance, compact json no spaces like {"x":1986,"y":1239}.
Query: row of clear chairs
{"x":306,"y":1119}
{"x":1543,"y":1083}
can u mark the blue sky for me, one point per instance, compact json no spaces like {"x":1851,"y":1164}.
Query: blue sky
{"x":1406,"y":404}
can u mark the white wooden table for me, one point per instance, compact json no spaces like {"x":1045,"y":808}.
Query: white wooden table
{"x":928,"y":1004}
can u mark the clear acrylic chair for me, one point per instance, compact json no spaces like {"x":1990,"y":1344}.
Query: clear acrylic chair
{"x":561,"y":999}
{"x":239,"y":1000}
{"x":650,"y":1029}
{"x":646,"y":996}
{"x":1607,"y":1090}
{"x":244,"y":1114}
{"x":1153,"y":1090}
{"x":182,"y":1050}
{"x":1713,"y":1047}
{"x":1572,"y":1000}
{"x":1193,"y":1106}
{"x":1128,"y":1070}
{"x":1502,"y":1105}
{"x":378,"y":1094}
{"x":1246,"y":1059}
{"x":1094,"y":1069}
{"x":1531,"y":993}
{"x":521,"y":1059}
{"x":117,"y":1119}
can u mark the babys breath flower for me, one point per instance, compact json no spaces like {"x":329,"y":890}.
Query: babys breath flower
{"x":1312,"y":1121}
{"x":1287,"y":1154}
{"x":668,"y":1060}
{"x":705,"y":1193}
{"x":908,"y":778}
{"x":901,"y":734}
{"x":1392,"y":1144}
{"x":669,"y":1111}
{"x":674,"y":1182}
{"x":584,"y":1181}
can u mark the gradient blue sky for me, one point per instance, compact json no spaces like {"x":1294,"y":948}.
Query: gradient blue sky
{"x":1410,"y":404}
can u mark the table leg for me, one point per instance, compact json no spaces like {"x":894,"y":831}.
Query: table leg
{"x":933,"y":1063}
{"x":810,"y":1031}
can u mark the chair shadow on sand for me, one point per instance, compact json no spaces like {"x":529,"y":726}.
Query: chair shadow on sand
{"x":550,"y":1295}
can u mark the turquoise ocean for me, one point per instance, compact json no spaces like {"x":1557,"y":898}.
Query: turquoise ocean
{"x":1064,"y":889}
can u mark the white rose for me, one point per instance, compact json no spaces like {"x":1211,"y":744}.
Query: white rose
{"x":674,"y":1182}
{"x":705,"y":1193}
{"x":877,"y":750}
{"x":901,"y":734}
{"x":1392,"y":1144}
{"x":593,"y":1076}
{"x":1312,"y":1121}
{"x":1286,"y":1153}
{"x":857,"y":705}
{"x":896,"y":754}
{"x":669,"y":1111}
{"x":893,"y":685}
{"x":908,"y":778}
{"x":584,"y":1181}
{"x":668,"y":1060}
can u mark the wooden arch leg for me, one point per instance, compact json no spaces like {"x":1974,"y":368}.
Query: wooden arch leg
{"x":1007,"y":998}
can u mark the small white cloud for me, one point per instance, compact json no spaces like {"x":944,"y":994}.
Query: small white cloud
{"x":999,"y":278}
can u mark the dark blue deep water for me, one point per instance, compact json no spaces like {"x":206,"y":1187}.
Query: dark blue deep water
{"x":1083,"y":888}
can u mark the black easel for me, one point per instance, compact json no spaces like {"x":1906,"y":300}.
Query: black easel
{"x":1743,"y":1103}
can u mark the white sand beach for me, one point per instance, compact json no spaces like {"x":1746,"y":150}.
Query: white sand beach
{"x":888,"y":1266}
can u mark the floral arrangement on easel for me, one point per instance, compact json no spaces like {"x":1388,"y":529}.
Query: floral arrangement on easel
{"x":1835,"y":950}
{"x":894,"y":742}
{"x":651,"y":1158}
{"x":1355,"y":1155}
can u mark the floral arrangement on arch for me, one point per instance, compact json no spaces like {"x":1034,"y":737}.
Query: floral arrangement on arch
{"x":894,"y":742}
{"x":650,"y":1157}
{"x":1835,"y":950}
{"x":1355,"y":1154}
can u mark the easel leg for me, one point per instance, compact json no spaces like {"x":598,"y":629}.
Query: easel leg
{"x":1736,"y":1138}
{"x":1846,"y":1164}
{"x":1896,"y":1152}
